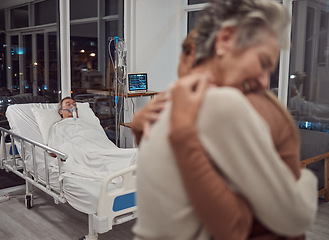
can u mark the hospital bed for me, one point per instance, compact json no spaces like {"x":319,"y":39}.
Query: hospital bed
{"x":24,"y":152}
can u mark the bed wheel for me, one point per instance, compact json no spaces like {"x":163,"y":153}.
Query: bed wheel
{"x":82,"y":238}
{"x":29,"y":201}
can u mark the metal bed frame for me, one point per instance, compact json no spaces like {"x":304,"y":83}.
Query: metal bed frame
{"x":114,"y":207}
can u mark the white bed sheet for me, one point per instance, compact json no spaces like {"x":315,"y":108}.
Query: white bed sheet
{"x":80,"y":191}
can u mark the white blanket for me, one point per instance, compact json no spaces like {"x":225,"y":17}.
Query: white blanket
{"x":90,"y":153}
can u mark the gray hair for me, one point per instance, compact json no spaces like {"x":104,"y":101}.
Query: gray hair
{"x":250,"y":17}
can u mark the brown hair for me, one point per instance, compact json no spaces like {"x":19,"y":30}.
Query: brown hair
{"x":189,"y":41}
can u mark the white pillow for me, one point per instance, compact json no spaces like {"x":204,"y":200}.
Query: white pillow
{"x":86,"y":113}
{"x":46,"y":118}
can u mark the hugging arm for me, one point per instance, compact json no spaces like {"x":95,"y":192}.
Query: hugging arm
{"x":225,"y":214}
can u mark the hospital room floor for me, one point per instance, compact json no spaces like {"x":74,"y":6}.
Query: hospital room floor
{"x":48,"y":221}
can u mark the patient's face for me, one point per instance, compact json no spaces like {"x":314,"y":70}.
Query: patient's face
{"x":66,"y":105}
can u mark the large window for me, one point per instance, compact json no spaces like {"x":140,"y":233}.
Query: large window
{"x":2,"y":20}
{"x":45,"y":12}
{"x":15,"y":51}
{"x":19,"y":17}
{"x":2,"y":61}
{"x":193,"y":8}
{"x":30,"y":53}
{"x":190,"y":2}
{"x":89,"y":44}
{"x":309,"y":69}
{"x":112,"y":7}
{"x":92,"y":72}
{"x":84,"y":52}
{"x":80,"y":9}
{"x":191,"y":19}
{"x":30,"y":57}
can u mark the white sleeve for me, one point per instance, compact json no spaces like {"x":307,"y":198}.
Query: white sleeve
{"x":239,"y":142}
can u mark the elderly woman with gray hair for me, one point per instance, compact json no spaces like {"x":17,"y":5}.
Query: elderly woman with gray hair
{"x":237,"y":45}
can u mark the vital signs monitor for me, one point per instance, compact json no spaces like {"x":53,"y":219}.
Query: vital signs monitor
{"x":137,"y":82}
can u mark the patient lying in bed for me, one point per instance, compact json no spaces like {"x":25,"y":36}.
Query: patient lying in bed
{"x":90,"y":153}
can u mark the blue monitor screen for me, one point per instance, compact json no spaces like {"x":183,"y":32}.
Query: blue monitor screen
{"x":137,"y":82}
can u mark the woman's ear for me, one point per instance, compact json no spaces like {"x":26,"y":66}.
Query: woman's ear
{"x":226,"y":39}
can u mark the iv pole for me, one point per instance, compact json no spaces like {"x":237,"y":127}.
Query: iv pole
{"x":119,"y":64}
{"x":116,"y":91}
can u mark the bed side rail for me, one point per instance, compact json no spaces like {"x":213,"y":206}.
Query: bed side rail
{"x":14,"y":162}
{"x":116,"y":206}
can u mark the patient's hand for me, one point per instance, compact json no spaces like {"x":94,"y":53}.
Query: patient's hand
{"x":54,"y":156}
{"x":187,"y":95}
{"x":148,"y":115}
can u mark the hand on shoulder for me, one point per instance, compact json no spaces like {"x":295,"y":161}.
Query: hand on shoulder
{"x":187,"y":95}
